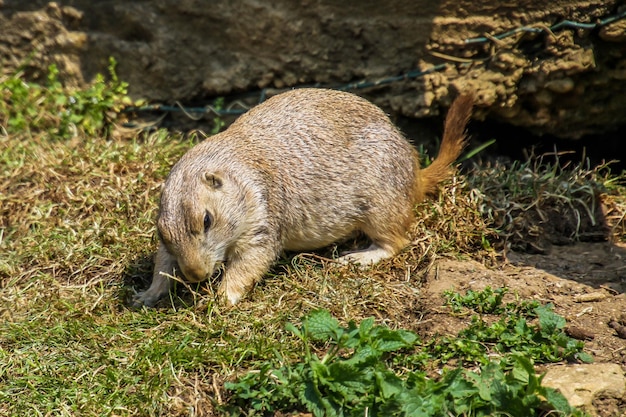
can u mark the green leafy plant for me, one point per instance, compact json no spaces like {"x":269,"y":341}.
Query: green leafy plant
{"x":60,"y":111}
{"x":356,"y":377}
{"x":510,"y":388}
{"x":352,"y":375}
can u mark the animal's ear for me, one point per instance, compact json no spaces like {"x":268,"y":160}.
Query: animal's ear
{"x":213,"y":180}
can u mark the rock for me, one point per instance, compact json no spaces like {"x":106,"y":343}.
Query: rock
{"x":615,"y":32}
{"x":619,"y":326}
{"x":584,"y":384}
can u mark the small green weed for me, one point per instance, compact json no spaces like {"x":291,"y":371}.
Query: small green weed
{"x":487,"y":301}
{"x":218,"y":123}
{"x":335,"y":383}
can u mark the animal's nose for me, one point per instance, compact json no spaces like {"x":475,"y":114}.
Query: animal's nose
{"x":194,"y":273}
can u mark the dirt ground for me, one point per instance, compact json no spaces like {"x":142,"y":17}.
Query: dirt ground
{"x":586,"y":283}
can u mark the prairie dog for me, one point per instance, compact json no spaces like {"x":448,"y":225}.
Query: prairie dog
{"x":298,"y":172}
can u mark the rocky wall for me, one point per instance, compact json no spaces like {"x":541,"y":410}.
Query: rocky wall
{"x":567,"y":82}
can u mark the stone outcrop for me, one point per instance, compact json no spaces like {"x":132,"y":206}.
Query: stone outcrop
{"x":567,"y":82}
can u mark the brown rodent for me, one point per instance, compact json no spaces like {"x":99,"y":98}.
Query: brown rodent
{"x":302,"y":170}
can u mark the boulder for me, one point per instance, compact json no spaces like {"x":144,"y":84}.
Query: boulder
{"x":599,"y":389}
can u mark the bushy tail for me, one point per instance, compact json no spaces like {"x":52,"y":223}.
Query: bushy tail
{"x":454,"y":140}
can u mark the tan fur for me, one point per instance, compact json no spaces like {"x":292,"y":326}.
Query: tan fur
{"x":303,"y":170}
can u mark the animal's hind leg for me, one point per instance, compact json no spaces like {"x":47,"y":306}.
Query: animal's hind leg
{"x":387,"y":232}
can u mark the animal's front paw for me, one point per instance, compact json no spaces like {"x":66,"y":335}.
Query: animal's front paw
{"x":145,"y":298}
{"x":231,"y":294}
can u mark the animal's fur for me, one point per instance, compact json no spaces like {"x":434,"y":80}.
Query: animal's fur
{"x":298,"y":172}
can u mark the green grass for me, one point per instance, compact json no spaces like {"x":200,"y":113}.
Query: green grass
{"x":77,"y":236}
{"x":77,"y":350}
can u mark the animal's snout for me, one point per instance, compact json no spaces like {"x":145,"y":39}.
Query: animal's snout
{"x":196,"y":273}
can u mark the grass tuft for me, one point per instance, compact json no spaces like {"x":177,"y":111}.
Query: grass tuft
{"x":540,"y":202}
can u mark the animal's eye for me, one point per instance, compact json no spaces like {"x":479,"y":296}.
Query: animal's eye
{"x":208,"y":220}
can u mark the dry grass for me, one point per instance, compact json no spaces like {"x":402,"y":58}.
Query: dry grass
{"x":77,"y":237}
